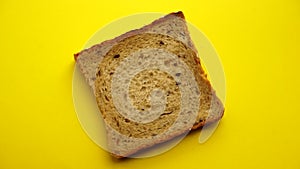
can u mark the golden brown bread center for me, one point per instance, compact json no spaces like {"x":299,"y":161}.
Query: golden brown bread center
{"x":163,"y":85}
{"x":147,"y":83}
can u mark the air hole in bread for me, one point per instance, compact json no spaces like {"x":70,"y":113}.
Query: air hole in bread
{"x":166,"y":113}
{"x":117,"y":56}
{"x":98,"y":73}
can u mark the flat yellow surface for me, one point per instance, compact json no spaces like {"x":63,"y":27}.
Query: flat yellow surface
{"x":258,"y":43}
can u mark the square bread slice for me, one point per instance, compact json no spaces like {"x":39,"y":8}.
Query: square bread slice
{"x":165,"y":37}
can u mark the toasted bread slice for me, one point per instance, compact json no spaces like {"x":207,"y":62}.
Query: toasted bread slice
{"x":169,"y":37}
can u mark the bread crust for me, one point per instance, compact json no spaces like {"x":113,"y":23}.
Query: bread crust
{"x":133,"y":32}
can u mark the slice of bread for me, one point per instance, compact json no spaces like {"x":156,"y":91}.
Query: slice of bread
{"x":169,"y":68}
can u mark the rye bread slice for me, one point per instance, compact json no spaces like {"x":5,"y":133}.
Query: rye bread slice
{"x":167,"y":33}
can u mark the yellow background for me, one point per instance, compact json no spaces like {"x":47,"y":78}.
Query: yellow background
{"x":258,"y":44}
